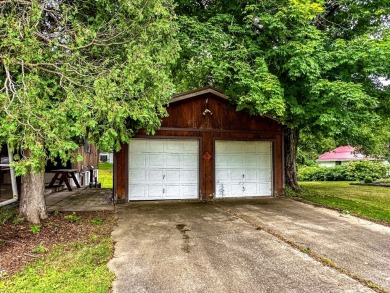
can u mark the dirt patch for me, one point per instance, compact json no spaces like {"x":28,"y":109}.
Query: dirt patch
{"x":19,"y":245}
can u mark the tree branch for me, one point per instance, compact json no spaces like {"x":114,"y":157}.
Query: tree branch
{"x":16,"y":2}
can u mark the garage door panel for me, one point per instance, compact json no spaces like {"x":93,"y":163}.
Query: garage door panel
{"x":155,"y":191}
{"x":250,"y":189}
{"x":243,"y":168}
{"x":172,"y":175}
{"x":248,"y":147}
{"x":234,"y":147}
{"x":251,"y":174}
{"x":235,"y":160}
{"x":221,"y":189}
{"x":153,"y":145}
{"x":222,"y":148}
{"x":252,"y":160}
{"x":236,"y":175}
{"x":189,"y":161}
{"x":163,"y":169}
{"x":138,"y":147}
{"x":172,"y":148}
{"x":138,"y":191}
{"x":235,"y":188}
{"x":265,"y":189}
{"x":155,"y":175}
{"x":222,"y":175}
{"x":138,"y":175}
{"x":172,"y":191}
{"x":138,"y":161}
{"x":156,"y":160}
{"x":188,"y":175}
{"x":263,"y":148}
{"x":189,"y":147}
{"x":265,"y":161}
{"x":222,"y":161}
{"x":264,"y":175}
{"x":172,"y":160}
{"x":190,"y":190}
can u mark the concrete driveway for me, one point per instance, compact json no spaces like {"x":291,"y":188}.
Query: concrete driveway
{"x":262,"y":245}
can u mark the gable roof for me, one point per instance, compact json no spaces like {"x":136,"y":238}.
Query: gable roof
{"x":342,"y":153}
{"x":202,"y":91}
{"x":198,"y":92}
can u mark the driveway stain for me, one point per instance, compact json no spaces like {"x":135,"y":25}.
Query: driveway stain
{"x":186,"y":238}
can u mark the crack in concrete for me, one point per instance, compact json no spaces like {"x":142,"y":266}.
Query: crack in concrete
{"x":304,"y":249}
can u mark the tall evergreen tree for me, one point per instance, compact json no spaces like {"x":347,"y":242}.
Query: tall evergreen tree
{"x":76,"y":70}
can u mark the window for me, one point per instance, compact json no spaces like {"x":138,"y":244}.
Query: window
{"x":103,"y":158}
{"x":7,"y":176}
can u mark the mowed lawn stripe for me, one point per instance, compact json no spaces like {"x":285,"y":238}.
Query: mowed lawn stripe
{"x":367,"y":201}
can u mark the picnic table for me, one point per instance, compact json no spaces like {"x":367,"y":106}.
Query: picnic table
{"x":63,"y":176}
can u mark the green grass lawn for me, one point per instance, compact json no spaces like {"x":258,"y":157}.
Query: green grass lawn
{"x":367,"y":201}
{"x":105,"y":175}
{"x":75,"y":267}
{"x":65,"y":266}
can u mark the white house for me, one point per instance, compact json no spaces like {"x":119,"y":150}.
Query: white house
{"x":343,"y":155}
{"x":106,"y":158}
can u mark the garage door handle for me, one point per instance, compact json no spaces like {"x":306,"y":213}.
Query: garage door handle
{"x":243,"y":188}
{"x":243,"y":175}
{"x":163,"y":190}
{"x":163,"y":176}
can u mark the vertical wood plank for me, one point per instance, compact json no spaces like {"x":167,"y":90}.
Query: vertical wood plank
{"x":207,"y":171}
{"x":121,"y":174}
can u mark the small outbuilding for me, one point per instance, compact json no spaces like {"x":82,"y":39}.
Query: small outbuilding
{"x":343,"y":155}
{"x":204,"y":149}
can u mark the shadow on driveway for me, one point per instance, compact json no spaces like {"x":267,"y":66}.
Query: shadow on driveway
{"x":217,"y":247}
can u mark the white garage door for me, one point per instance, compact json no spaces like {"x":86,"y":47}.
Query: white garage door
{"x":163,"y":169}
{"x":243,"y":168}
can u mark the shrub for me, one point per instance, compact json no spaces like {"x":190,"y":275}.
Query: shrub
{"x":306,"y":173}
{"x":353,"y":171}
{"x":361,"y":169}
{"x":337,"y":173}
{"x":368,"y":180}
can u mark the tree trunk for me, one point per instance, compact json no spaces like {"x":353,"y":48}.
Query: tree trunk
{"x":32,"y":202}
{"x":291,"y":137}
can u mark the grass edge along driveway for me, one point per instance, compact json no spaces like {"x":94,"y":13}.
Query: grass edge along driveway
{"x":372,"y":202}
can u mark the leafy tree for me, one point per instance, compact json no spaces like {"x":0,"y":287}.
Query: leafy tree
{"x":311,"y":147}
{"x":314,"y":65}
{"x":76,"y":70}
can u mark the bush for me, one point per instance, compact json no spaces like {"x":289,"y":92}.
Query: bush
{"x":361,"y":169}
{"x":337,"y":173}
{"x":306,"y":173}
{"x":350,"y":172}
{"x":368,"y":180}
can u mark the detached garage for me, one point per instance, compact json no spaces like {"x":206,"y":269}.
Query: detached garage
{"x":203,"y":150}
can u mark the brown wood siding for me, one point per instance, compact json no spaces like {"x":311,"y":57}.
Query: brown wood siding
{"x":90,"y":158}
{"x":188,"y":114}
{"x":186,"y":120}
{"x":121,"y":173}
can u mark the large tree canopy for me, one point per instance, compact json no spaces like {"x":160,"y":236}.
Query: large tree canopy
{"x":314,"y":65}
{"x":75,"y":70}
